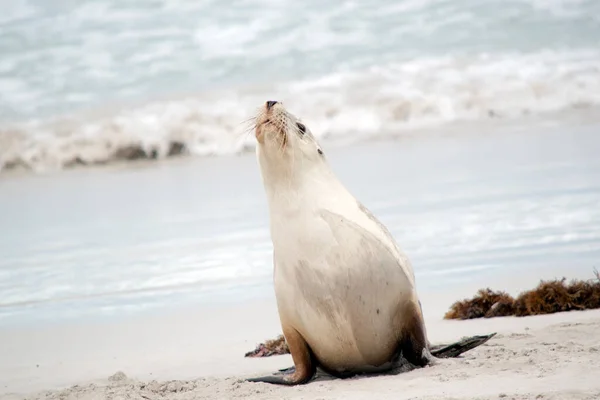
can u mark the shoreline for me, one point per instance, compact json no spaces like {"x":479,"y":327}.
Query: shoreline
{"x":436,"y":298}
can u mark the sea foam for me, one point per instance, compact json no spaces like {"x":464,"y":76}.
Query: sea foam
{"x":379,"y":101}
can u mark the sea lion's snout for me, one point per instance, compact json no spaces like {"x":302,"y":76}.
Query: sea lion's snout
{"x":271,"y":122}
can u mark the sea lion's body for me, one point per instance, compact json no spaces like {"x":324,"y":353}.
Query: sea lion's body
{"x":339,"y":280}
{"x":345,"y":292}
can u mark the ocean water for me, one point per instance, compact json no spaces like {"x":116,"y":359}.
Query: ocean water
{"x":502,"y":209}
{"x":85,"y":82}
{"x":384,"y":82}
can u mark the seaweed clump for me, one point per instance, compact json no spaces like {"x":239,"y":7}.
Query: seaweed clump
{"x":269,"y":348}
{"x":485,"y":304}
{"x":557,"y":296}
{"x":548,"y":297}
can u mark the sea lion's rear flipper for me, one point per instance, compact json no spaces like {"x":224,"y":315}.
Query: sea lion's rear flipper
{"x":462,"y":346}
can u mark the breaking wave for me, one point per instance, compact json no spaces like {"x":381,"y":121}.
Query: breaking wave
{"x":347,"y":106}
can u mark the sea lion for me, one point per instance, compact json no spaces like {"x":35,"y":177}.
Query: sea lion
{"x":346,"y":293}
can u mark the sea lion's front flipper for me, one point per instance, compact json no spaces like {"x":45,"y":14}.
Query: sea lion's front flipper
{"x":304,"y":368}
{"x":462,"y":346}
{"x":275,"y":380}
{"x":281,"y":377}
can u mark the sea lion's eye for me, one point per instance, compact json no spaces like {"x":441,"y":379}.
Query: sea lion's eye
{"x":301,"y":127}
{"x":320,"y":151}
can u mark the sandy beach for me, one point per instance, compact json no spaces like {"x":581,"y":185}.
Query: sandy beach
{"x":544,"y":357}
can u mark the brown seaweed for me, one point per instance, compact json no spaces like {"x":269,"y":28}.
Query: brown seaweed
{"x":548,"y":297}
{"x":486,"y":303}
{"x":269,"y":348}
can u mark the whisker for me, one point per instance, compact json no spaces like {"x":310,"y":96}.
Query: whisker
{"x":293,"y":161}
{"x":283,"y":143}
{"x":281,"y":123}
{"x":251,"y":123}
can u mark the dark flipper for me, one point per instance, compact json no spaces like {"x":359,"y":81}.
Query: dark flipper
{"x":289,"y":370}
{"x":456,"y":349}
{"x":286,"y":377}
{"x":276,"y":380}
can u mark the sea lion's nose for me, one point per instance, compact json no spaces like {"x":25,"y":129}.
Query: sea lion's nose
{"x":270,"y":104}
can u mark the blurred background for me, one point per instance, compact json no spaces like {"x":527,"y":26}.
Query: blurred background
{"x":469,"y":127}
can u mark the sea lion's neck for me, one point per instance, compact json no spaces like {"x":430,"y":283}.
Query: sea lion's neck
{"x":298,"y":184}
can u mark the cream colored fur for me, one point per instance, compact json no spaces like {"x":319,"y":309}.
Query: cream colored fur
{"x":340,"y":279}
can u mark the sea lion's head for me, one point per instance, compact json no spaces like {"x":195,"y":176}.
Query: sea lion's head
{"x":282,"y":138}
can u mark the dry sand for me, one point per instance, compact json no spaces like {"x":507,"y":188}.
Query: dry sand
{"x":545,"y":357}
